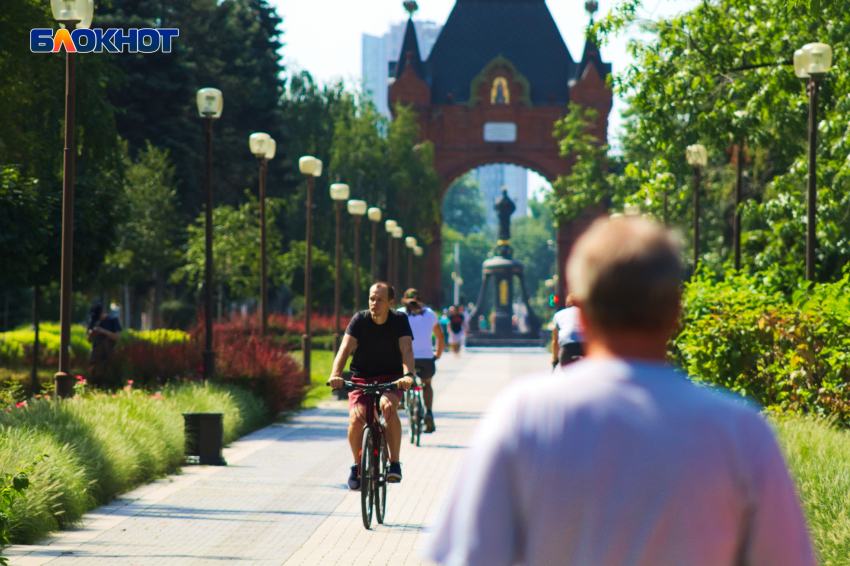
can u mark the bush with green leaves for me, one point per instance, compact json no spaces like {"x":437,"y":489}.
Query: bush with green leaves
{"x":101,"y":445}
{"x":788,"y":349}
{"x":12,"y":486}
{"x":16,"y":345}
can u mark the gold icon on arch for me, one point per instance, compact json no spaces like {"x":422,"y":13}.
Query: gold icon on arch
{"x":503,"y":292}
{"x":500,"y":93}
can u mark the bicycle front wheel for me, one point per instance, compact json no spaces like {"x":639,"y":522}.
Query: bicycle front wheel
{"x":382,"y":461}
{"x":409,"y":399}
{"x":367,"y":476}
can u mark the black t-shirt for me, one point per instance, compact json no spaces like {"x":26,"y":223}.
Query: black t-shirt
{"x":377,"y":353}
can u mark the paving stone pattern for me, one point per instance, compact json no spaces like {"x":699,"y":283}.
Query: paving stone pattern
{"x":283,"y":500}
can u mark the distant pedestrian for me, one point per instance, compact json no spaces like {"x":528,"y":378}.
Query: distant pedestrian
{"x":457,"y":323}
{"x":567,"y":334}
{"x":444,"y":322}
{"x":625,"y":462}
{"x":104,"y":332}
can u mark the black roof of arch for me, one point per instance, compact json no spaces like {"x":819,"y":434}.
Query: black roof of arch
{"x":521,"y":31}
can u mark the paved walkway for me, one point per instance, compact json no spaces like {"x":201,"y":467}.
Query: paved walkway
{"x":282,"y":498}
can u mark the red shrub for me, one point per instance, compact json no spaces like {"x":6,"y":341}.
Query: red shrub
{"x":259,"y":363}
{"x":146,"y":362}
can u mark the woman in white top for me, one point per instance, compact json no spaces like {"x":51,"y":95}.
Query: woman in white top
{"x":567,"y":335}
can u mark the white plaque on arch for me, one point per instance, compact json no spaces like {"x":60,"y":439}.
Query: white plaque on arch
{"x":504,"y":132}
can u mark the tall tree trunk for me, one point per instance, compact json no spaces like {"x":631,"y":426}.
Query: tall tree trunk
{"x":35,"y":388}
{"x":158,"y":293}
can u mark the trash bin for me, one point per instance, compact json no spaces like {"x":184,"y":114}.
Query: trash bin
{"x":204,"y":434}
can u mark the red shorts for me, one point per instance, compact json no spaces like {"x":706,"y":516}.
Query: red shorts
{"x":357,"y":397}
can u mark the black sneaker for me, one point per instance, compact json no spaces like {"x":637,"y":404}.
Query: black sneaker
{"x":429,"y":423}
{"x":354,"y":478}
{"x":394,"y":473}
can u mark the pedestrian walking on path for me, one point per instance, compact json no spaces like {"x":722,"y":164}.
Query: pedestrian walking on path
{"x":626,"y":462}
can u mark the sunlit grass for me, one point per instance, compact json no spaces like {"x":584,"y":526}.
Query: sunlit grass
{"x":321,"y":362}
{"x":99,"y":446}
{"x":819,"y":458}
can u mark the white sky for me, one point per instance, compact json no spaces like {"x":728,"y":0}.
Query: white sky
{"x":324,"y":36}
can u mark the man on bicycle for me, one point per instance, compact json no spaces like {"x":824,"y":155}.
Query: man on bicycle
{"x":424,"y":324}
{"x":382,"y":343}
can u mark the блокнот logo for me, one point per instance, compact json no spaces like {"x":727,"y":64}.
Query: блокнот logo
{"x":146,"y":40}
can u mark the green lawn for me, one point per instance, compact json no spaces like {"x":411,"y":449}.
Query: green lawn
{"x":321,"y":362}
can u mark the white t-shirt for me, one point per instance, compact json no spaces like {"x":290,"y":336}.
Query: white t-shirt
{"x":422,"y":326}
{"x":621,"y":464}
{"x":569,"y":326}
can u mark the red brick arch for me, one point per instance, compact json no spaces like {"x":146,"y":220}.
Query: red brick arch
{"x":457,"y":131}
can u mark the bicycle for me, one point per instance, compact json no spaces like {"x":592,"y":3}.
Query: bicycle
{"x":374,"y":458}
{"x":415,"y":409}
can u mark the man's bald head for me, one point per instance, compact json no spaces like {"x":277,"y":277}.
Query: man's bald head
{"x":626,"y":275}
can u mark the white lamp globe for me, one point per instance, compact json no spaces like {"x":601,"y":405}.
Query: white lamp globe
{"x":272,"y":148}
{"x":398,"y":233}
{"x":390,"y":225}
{"x":340,"y":191}
{"x":697,"y":155}
{"x":410,"y":242}
{"x":210,"y":102}
{"x":375,"y":214}
{"x":259,"y":143}
{"x":798,"y":65}
{"x":418,"y":251}
{"x":69,"y":10}
{"x":308,"y":164}
{"x":318,"y":171}
{"x":357,"y":207}
{"x":817,"y":58}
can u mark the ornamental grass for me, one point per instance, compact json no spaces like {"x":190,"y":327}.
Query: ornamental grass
{"x":101,"y":445}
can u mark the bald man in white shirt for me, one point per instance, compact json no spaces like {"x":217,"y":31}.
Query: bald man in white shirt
{"x":620,"y":460}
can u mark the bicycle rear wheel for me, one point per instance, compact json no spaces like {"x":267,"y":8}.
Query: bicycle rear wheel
{"x":367,"y":476}
{"x":419,"y":415}
{"x":381,"y":468}
{"x":409,"y":400}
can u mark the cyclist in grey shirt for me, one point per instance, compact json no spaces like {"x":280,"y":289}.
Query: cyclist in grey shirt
{"x":622,"y":461}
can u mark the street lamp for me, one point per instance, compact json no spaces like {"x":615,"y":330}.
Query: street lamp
{"x":740,"y":115}
{"x":74,"y":14}
{"x":410,"y":243}
{"x":339,"y":194}
{"x":812,"y":62}
{"x":357,"y":208}
{"x":263,"y":147}
{"x":311,"y":168}
{"x":390,"y":226}
{"x":697,"y":158}
{"x":374,"y":217}
{"x":210,"y":103}
{"x":398,"y":234}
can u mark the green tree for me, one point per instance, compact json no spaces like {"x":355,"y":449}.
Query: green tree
{"x":25,"y":228}
{"x":720,"y":74}
{"x":463,"y":206}
{"x":236,"y":249}
{"x":323,"y":277}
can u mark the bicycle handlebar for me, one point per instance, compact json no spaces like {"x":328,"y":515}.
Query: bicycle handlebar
{"x":368,"y":387}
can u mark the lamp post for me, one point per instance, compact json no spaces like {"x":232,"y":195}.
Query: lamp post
{"x":374,"y":217}
{"x":311,"y":168}
{"x":398,"y":234}
{"x":812,"y":62}
{"x":263,"y":147}
{"x":339,"y":194}
{"x":210,"y":103}
{"x":74,"y":14}
{"x":357,"y":208}
{"x":390,"y":226}
{"x":410,"y":243}
{"x":697,"y":158}
{"x":418,"y":251}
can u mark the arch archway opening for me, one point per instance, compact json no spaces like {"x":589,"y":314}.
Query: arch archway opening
{"x":470,"y":230}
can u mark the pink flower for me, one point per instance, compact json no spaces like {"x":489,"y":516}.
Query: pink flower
{"x":80,"y":378}
{"x":21,"y":404}
{"x":157,"y":395}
